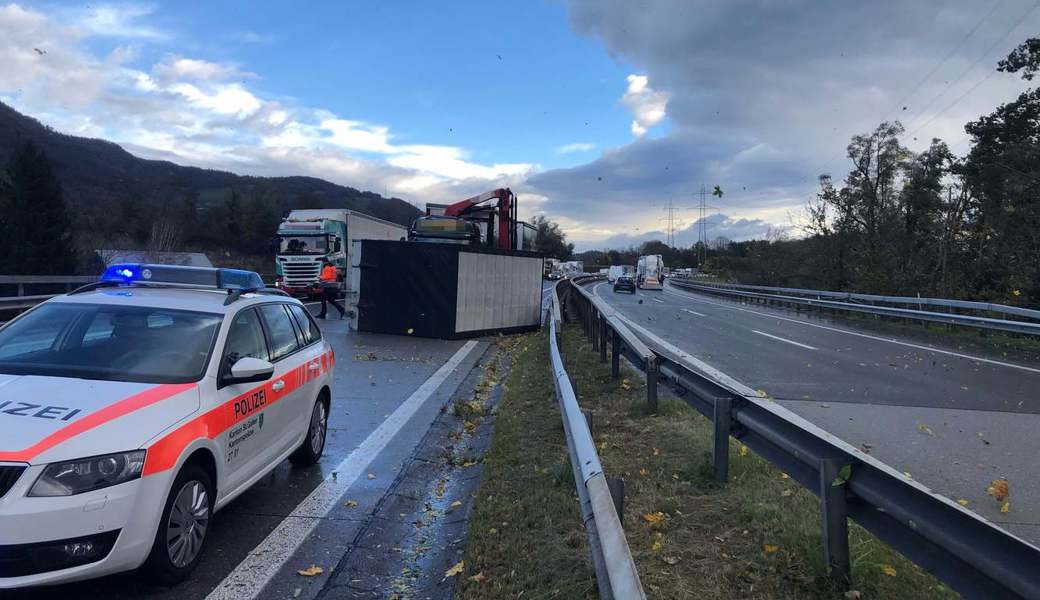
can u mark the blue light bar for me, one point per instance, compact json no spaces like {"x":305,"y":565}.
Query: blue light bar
{"x":228,"y":279}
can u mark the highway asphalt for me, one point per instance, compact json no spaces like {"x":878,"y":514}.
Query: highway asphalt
{"x":952,"y":419}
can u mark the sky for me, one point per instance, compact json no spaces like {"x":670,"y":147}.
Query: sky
{"x":598,"y":113}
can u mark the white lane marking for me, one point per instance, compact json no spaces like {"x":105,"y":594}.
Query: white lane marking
{"x":776,"y":337}
{"x":990,"y":361}
{"x":658,"y":300}
{"x":257,"y":569}
{"x":693,"y":312}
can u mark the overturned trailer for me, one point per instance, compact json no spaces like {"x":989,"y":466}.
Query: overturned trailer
{"x":446,"y":291}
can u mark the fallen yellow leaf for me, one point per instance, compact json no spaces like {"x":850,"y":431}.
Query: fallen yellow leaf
{"x":468,"y":464}
{"x":925,"y":429}
{"x":999,"y":489}
{"x":784,"y":476}
{"x":350,"y":504}
{"x":654,"y":519}
{"x":770,"y":548}
{"x":644,"y":472}
{"x":743,"y":450}
{"x":962,"y":502}
{"x":455,"y":570}
{"x":888,"y":570}
{"x":657,"y":546}
{"x":1006,"y":508}
{"x":455,"y":504}
{"x":310,"y":571}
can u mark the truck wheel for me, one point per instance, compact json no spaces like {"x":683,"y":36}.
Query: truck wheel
{"x":181,"y":536}
{"x":313,"y":445}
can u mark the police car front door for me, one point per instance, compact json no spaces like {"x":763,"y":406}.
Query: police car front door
{"x":246,"y":443}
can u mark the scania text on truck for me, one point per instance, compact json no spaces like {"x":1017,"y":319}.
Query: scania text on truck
{"x":307,"y":238}
{"x":648,"y":272}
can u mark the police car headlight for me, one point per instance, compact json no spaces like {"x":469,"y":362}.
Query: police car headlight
{"x":83,"y":475}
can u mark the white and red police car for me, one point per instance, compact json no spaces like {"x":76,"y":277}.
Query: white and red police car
{"x":133,"y":409}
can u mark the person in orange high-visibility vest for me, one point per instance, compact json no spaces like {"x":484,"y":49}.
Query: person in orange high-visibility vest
{"x":329,"y":279}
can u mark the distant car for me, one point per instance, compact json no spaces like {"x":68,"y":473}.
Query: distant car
{"x":625,"y":283}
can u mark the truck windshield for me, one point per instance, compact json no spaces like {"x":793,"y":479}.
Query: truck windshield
{"x":304,"y":244}
{"x":117,"y":343}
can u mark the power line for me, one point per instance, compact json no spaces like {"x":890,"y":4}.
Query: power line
{"x":949,"y":54}
{"x":1014,"y":26}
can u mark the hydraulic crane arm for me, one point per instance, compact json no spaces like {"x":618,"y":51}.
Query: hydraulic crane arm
{"x":505,"y":207}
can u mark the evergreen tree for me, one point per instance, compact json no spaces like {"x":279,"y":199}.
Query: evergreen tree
{"x":35,"y":231}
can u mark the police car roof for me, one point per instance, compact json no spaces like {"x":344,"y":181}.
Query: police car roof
{"x":193,"y":299}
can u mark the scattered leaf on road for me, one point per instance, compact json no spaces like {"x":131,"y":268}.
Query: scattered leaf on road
{"x":888,"y":570}
{"x":743,"y":450}
{"x":925,"y":429}
{"x":350,"y":504}
{"x":310,"y":571}
{"x":455,"y":570}
{"x":657,"y":546}
{"x":455,"y":504}
{"x":770,"y":548}
{"x":962,"y":502}
{"x":999,"y":489}
{"x":1006,"y":508}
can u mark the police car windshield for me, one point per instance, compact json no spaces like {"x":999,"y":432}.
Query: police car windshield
{"x":305,"y":244}
{"x":118,"y":343}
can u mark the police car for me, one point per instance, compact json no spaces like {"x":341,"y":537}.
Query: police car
{"x":134,"y":408}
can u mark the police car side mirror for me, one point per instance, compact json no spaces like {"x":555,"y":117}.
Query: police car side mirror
{"x":249,"y":370}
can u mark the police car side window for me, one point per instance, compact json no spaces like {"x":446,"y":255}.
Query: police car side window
{"x":281,"y":334}
{"x":245,"y":338}
{"x":310,"y":330}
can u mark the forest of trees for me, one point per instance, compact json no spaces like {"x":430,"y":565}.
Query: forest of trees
{"x":901,"y":222}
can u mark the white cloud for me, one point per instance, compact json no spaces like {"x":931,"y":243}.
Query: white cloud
{"x":119,"y":20}
{"x":575,"y":147}
{"x":194,"y":111}
{"x":176,"y":68}
{"x":647,"y":104}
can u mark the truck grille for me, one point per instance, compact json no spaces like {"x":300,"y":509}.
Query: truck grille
{"x":8,"y":477}
{"x":296,"y":274}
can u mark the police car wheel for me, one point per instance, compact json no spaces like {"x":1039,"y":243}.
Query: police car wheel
{"x":313,"y":445}
{"x":183,"y":528}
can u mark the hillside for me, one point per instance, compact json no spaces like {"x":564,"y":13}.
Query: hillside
{"x":119,"y":200}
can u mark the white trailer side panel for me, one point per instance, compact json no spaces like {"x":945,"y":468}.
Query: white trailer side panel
{"x":497,"y":291}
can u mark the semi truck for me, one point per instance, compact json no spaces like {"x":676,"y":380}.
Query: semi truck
{"x":619,"y":271}
{"x":308,"y":238}
{"x":648,"y":272}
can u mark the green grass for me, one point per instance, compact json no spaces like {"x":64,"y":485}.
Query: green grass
{"x":758,"y":536}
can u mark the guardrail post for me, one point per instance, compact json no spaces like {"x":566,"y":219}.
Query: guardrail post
{"x":835,"y":520}
{"x":616,"y":485}
{"x":594,"y":322}
{"x":615,"y":354}
{"x":602,"y":339}
{"x":721,"y":418}
{"x":588,"y":421}
{"x":651,"y":385}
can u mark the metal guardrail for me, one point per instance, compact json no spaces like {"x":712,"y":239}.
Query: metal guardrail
{"x":971,"y":555}
{"x":616,"y":574}
{"x":1021,"y":327}
{"x":1018,"y":311}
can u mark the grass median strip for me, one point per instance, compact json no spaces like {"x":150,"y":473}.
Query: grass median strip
{"x":756,"y":537}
